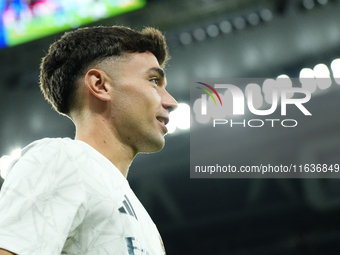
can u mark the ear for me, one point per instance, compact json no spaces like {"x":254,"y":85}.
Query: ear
{"x":97,"y":83}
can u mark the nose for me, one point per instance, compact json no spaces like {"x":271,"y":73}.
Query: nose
{"x":168,"y":102}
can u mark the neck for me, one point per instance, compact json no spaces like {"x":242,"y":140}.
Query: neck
{"x":96,"y":132}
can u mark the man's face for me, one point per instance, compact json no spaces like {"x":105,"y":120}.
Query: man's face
{"x":140,"y":104}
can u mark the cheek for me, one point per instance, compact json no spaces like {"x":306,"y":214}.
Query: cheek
{"x":136,"y":100}
{"x":145,"y":98}
{"x":153,"y":96}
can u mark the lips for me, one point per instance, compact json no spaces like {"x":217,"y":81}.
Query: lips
{"x":164,"y":120}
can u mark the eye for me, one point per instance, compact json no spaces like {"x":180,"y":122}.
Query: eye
{"x":154,"y":80}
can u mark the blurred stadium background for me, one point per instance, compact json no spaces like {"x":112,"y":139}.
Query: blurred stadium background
{"x":207,"y":39}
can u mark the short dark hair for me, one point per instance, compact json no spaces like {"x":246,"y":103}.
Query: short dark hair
{"x":76,"y":50}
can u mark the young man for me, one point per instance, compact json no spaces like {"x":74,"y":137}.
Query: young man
{"x":71,"y":196}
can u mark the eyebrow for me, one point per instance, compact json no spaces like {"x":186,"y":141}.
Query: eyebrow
{"x":157,"y":70}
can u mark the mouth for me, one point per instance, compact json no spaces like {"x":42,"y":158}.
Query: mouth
{"x":163,"y":120}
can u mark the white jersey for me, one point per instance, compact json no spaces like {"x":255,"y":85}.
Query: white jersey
{"x":64,"y":197}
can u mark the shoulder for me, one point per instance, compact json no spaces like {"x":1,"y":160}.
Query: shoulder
{"x":52,"y":148}
{"x":46,"y":155}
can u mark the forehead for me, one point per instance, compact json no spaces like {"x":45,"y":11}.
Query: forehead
{"x":142,"y":61}
{"x":132,"y":64}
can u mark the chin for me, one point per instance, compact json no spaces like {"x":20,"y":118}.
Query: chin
{"x":153,"y":145}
